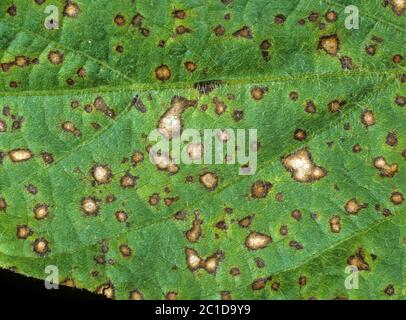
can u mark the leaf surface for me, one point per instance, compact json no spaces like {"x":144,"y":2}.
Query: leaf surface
{"x":77,"y":189}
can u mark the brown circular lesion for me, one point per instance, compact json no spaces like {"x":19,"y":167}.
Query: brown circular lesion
{"x":23,"y":232}
{"x":41,"y":246}
{"x":55,"y":57}
{"x":41,"y":211}
{"x":71,"y":9}
{"x":163,"y":72}
{"x":190,"y":66}
{"x":397,"y":198}
{"x":90,"y":206}
{"x":119,"y":20}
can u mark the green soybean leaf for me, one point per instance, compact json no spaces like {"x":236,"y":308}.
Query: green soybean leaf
{"x":84,"y":83}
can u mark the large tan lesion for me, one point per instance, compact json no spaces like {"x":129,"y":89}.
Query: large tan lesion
{"x":302,"y":167}
{"x":170,"y":123}
{"x":194,"y":261}
{"x":386,"y":169}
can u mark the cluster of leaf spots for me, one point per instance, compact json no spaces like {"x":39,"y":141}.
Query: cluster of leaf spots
{"x":80,"y":187}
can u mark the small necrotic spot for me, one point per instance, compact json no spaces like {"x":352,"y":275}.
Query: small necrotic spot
{"x":6,"y":111}
{"x":235,"y":272}
{"x":256,"y":240}
{"x":296,"y":214}
{"x":3,"y":126}
{"x":392,"y":139}
{"x":296,"y":245}
{"x":180,"y":30}
{"x":13,"y":84}
{"x":302,"y":281}
{"x":171,"y":295}
{"x":225,"y":295}
{"x":190,"y":66}
{"x":244,"y":32}
{"x":47,"y":157}
{"x":257,"y":93}
{"x":40,"y":246}
{"x":121,"y":216}
{"x":283,"y":230}
{"x":259,"y":263}
{"x":136,"y":158}
{"x":280,"y":19}
{"x":154,"y":199}
{"x":41,"y":211}
{"x":81,"y":72}
{"x":335,"y":105}
{"x":265,"y":45}
{"x":32,"y":189}
{"x":3,"y":205}
{"x":55,"y":57}
{"x":12,"y":10}
{"x":23,"y":232}
{"x":219,"y":30}
{"x":397,"y":198}
{"x":125,"y":250}
{"x":346,"y":63}
{"x":219,"y":106}
{"x":371,"y":49}
{"x":368,"y":118}
{"x":299,"y":135}
{"x":245,"y":222}
{"x":170,"y":201}
{"x":260,"y":189}
{"x":331,"y":16}
{"x":275,"y":286}
{"x":389,"y":290}
{"x":71,"y":9}
{"x":397,"y":58}
{"x":69,"y":127}
{"x":238,"y":115}
{"x":400,"y":101}
{"x":310,"y":107}
{"x":21,"y":61}
{"x":280,"y":197}
{"x":357,"y":148}
{"x":119,"y":20}
{"x":137,"y":20}
{"x":179,"y":14}
{"x":259,"y":284}
{"x":90,"y":206}
{"x":128,"y":180}
{"x":162,"y":72}
{"x":313,"y":16}
{"x":293,"y":95}
{"x":335,"y":224}
{"x":139,"y":104}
